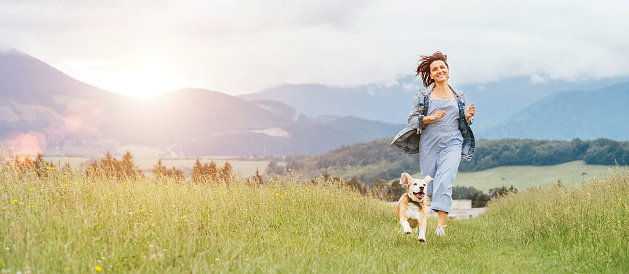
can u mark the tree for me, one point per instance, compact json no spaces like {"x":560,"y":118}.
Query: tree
{"x":502,"y":191}
{"x":127,"y":167}
{"x":355,"y":185}
{"x":111,"y":167}
{"x":273,"y":168}
{"x":325,"y":175}
{"x":197,"y":171}
{"x":212,"y":170}
{"x":257,"y":178}
{"x":227,"y":171}
{"x":479,"y":199}
{"x":159,"y":169}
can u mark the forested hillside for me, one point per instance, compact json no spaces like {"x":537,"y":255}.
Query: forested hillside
{"x":376,"y":159}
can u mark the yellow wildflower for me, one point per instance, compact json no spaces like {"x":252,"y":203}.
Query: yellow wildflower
{"x":15,"y":201}
{"x":32,"y":189}
{"x":277,"y":194}
{"x":98,"y":268}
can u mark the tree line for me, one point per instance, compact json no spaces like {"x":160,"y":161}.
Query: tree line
{"x":513,"y":152}
{"x":120,"y":169}
{"x":376,"y":159}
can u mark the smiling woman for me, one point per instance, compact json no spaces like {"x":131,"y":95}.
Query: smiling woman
{"x":438,"y":129}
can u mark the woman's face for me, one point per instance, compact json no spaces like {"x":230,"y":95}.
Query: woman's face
{"x":439,"y":71}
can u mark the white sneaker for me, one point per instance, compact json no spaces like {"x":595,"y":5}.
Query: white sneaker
{"x":440,"y":231}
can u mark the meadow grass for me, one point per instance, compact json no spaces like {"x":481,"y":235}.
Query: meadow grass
{"x":66,"y":223}
{"x":523,"y":177}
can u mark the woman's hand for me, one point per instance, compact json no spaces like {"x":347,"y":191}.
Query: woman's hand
{"x":438,"y":115}
{"x":471,"y":111}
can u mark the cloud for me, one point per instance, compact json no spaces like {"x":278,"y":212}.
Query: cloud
{"x":537,"y":79}
{"x":243,"y":46}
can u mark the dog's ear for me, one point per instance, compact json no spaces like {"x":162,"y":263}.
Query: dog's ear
{"x":405,"y":179}
{"x":428,"y":179}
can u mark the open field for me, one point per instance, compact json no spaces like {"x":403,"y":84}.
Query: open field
{"x":523,"y":177}
{"x":245,"y":168}
{"x":74,"y":224}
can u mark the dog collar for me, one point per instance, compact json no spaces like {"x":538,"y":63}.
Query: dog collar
{"x":417,"y":204}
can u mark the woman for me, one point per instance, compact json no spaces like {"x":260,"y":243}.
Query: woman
{"x":439,"y":130}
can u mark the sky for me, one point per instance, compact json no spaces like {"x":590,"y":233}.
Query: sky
{"x":144,"y":48}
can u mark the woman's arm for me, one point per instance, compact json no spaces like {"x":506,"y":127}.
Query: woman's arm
{"x":469,"y":111}
{"x":416,"y":118}
{"x":431,"y":118}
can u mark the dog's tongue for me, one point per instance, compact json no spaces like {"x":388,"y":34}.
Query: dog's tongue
{"x":419,"y":195}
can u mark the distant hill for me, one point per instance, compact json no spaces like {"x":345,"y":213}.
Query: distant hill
{"x":27,"y":80}
{"x":495,"y":101}
{"x":305,"y":136}
{"x":600,"y":113}
{"x":37,"y":97}
{"x":41,"y":108}
{"x":372,"y":102}
{"x":190,"y":114}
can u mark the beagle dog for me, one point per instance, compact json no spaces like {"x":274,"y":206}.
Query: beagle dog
{"x":411,"y":208}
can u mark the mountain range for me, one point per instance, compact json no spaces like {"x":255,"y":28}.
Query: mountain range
{"x":41,"y":108}
{"x":588,"y":115}
{"x":496,"y":102}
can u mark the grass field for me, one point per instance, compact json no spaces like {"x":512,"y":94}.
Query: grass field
{"x":523,"y":177}
{"x":65,"y":223}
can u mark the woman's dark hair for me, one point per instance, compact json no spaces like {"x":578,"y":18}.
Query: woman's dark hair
{"x":424,"y":66}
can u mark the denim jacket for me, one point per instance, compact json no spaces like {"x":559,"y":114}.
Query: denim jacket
{"x":407,"y":140}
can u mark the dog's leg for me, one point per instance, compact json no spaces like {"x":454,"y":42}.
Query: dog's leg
{"x":421,"y":230}
{"x":406,"y":226}
{"x":402,"y":215}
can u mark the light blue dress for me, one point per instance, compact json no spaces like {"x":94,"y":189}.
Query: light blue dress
{"x":440,"y":148}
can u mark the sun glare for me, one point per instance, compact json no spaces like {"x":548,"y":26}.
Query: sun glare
{"x":141,"y":84}
{"x":144,"y":81}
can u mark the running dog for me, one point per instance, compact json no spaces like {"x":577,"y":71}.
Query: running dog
{"x":412,"y":209}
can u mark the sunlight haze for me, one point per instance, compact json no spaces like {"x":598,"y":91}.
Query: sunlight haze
{"x":146,"y":48}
